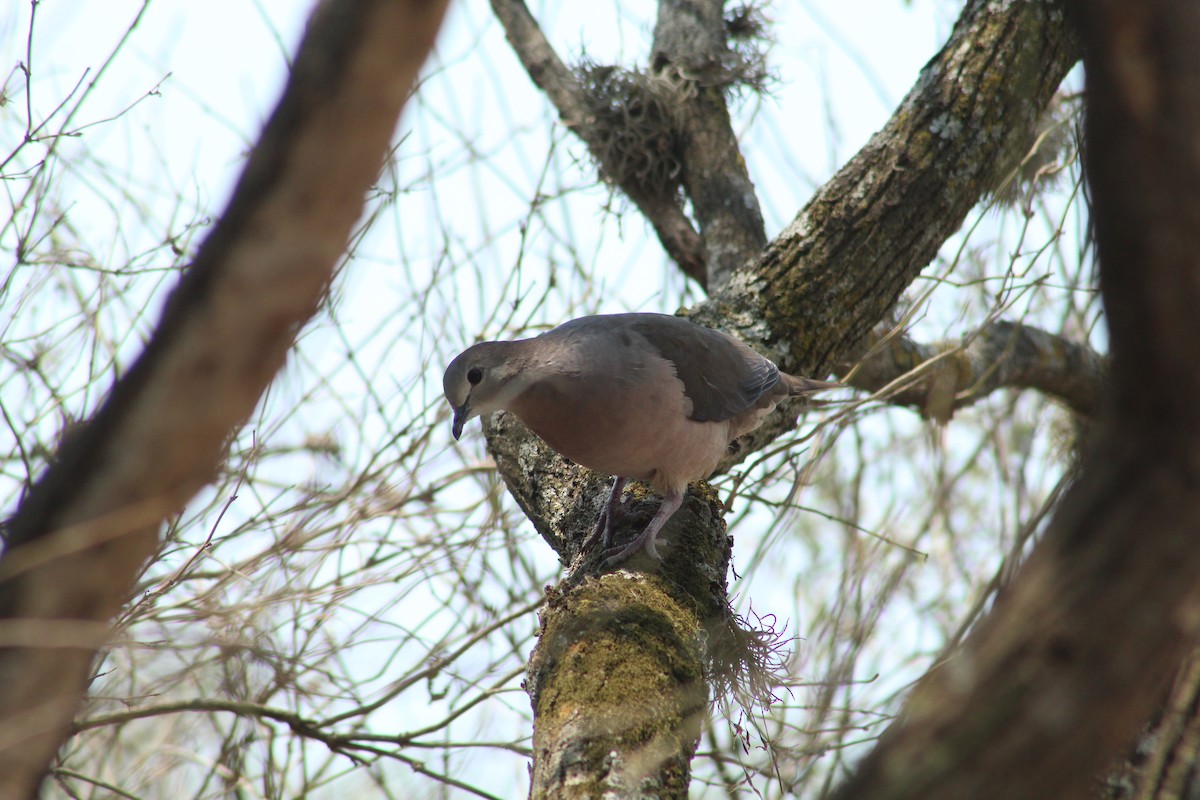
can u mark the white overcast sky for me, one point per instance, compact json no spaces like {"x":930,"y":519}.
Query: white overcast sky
{"x":840,"y":64}
{"x":219,"y":65}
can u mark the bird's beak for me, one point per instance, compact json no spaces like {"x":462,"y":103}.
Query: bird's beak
{"x":461,"y":414}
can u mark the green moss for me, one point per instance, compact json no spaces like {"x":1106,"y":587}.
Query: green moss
{"x":620,"y":649}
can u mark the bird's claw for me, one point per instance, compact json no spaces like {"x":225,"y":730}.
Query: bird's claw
{"x":614,"y":556}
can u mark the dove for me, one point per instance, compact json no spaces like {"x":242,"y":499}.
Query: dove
{"x":639,"y":396}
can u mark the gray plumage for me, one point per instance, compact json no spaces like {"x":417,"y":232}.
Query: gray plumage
{"x":650,"y":397}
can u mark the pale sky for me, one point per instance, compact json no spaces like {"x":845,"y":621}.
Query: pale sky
{"x":217,"y":67}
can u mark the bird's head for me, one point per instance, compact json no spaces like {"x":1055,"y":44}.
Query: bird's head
{"x":483,"y":378}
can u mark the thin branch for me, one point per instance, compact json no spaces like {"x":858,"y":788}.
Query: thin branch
{"x":942,"y":377}
{"x":689,"y":40}
{"x":206,"y":704}
{"x":81,"y":535}
{"x":675,"y":231}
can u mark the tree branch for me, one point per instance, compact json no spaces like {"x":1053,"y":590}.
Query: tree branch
{"x":828,"y":279}
{"x":80,"y":537}
{"x":942,"y":377}
{"x":1080,"y":648}
{"x":1162,"y":763}
{"x":689,"y":40}
{"x":552,"y":76}
{"x":838,"y":269}
{"x":817,"y":290}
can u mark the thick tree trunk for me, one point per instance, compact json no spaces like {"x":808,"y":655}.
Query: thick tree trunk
{"x":619,"y":690}
{"x":1162,"y":763}
{"x":1077,"y":654}
{"x":81,"y":536}
{"x":819,"y":288}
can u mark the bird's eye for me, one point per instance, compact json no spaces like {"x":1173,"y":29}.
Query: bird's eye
{"x":474,"y":375}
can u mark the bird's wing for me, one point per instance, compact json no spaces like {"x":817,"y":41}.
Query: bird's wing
{"x":721,"y":375}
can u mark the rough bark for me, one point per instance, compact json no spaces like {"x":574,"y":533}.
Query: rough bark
{"x":689,"y":40}
{"x":942,"y":377}
{"x":619,"y":686}
{"x":827,"y":280}
{"x":835,"y":271}
{"x":814,"y":293}
{"x":1161,"y":765}
{"x":563,"y":88}
{"x":82,"y":534}
{"x":1079,"y":651}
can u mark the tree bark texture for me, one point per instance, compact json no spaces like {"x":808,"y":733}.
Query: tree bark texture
{"x":810,"y":296}
{"x":823,"y":283}
{"x":1078,"y":653}
{"x":826,"y":281}
{"x":619,"y":690}
{"x":83,"y":533}
{"x":1161,"y":764}
{"x":690,"y":41}
{"x":942,"y":377}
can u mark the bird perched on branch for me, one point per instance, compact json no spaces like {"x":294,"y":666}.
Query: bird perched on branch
{"x":650,"y":397}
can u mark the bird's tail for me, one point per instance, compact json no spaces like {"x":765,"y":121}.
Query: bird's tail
{"x":798,"y":385}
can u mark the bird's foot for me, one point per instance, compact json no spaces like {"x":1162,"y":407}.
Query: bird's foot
{"x":598,"y":533}
{"x":614,"y":556}
{"x":647,"y":540}
{"x":609,"y":516}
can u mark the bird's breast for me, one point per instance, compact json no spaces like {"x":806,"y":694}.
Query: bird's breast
{"x":633,"y":423}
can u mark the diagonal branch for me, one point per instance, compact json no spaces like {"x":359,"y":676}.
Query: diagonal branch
{"x":828,"y":279}
{"x":552,"y":76}
{"x":942,"y":377}
{"x":689,"y":40}
{"x":80,"y":537}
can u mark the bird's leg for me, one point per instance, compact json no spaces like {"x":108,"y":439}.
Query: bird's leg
{"x":608,"y":514}
{"x":670,"y":504}
{"x":608,"y":517}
